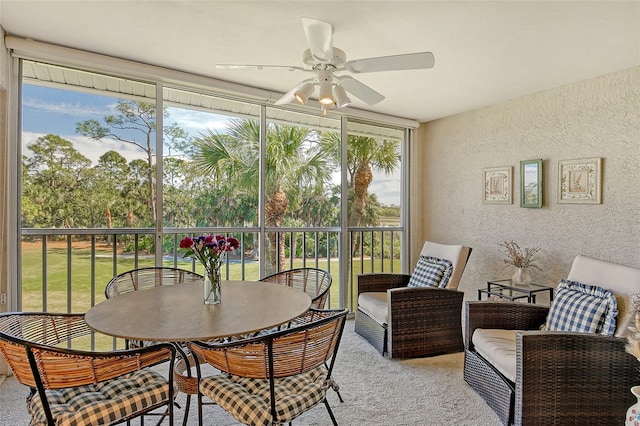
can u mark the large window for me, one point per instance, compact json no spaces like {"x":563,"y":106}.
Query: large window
{"x":112,"y":178}
{"x":204,"y":152}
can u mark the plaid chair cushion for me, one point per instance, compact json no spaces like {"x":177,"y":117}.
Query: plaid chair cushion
{"x":583,"y":308}
{"x":431,"y":272}
{"x":248,"y":400}
{"x":103,"y":403}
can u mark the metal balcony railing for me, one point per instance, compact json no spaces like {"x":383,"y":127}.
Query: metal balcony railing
{"x":66,"y":270}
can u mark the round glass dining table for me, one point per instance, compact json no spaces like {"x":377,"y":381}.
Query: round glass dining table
{"x":177,"y":313}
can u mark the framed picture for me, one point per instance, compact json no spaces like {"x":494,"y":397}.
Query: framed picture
{"x":580,"y":181}
{"x":497,"y":184}
{"x":531,"y":183}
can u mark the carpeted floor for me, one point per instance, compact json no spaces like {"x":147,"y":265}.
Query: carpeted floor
{"x":377,"y":392}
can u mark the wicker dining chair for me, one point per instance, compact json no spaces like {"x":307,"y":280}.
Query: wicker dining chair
{"x":141,"y":278}
{"x":80,"y":386}
{"x":149,"y":277}
{"x":313,"y":281}
{"x":273,"y":378}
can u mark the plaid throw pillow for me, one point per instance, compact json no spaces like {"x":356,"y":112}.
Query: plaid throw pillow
{"x":583,"y":308}
{"x":431,"y":272}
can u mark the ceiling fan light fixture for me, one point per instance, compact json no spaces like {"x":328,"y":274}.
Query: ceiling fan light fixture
{"x":342,"y":99}
{"x":302,"y":95}
{"x":326,"y":94}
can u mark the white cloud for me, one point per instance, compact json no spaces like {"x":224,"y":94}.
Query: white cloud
{"x":88,"y":147}
{"x":65,"y":108}
{"x":386,"y":190}
{"x":196,"y":122}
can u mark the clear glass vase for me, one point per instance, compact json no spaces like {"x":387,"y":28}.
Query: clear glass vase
{"x":212,"y":284}
{"x":522,"y":276}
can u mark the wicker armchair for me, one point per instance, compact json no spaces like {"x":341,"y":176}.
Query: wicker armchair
{"x":141,"y":278}
{"x":263,"y":375}
{"x":315,"y":282}
{"x":560,"y":377}
{"x":411,"y":322}
{"x":82,"y":387}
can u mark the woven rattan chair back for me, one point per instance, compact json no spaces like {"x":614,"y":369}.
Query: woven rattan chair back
{"x":36,"y":348}
{"x":141,"y":278}
{"x":310,"y":342}
{"x":18,"y":331}
{"x":313,"y":281}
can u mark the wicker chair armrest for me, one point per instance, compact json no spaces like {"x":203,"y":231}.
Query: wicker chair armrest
{"x":423,"y":295}
{"x":502,"y":315}
{"x":575,"y":378}
{"x":414,"y":304}
{"x":62,"y":368}
{"x":381,"y":282}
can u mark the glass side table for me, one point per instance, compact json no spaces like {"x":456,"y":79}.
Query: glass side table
{"x":506,"y":289}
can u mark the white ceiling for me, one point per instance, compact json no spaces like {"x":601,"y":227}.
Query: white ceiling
{"x":486,"y":52}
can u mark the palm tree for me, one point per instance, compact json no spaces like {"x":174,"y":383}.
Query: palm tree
{"x":293,"y":160}
{"x":363,"y":154}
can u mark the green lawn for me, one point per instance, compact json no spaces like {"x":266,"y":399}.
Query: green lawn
{"x":81,"y":286}
{"x":75,"y":295}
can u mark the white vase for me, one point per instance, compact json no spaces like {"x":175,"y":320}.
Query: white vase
{"x":633,"y":413}
{"x":522,"y":276}
{"x":212,"y":290}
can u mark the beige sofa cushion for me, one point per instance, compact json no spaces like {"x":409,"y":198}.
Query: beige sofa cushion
{"x":374,"y":304}
{"x":498,"y":347}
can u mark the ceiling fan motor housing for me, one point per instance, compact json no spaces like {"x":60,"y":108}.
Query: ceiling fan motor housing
{"x":311,"y":62}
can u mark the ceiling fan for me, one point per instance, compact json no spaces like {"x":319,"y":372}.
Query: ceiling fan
{"x":328,"y":63}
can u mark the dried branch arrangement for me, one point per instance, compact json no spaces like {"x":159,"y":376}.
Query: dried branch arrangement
{"x":518,"y":257}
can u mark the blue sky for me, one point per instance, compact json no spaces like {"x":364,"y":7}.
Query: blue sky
{"x":50,"y":111}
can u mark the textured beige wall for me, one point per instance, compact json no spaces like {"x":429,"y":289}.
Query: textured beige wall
{"x":594,"y":118}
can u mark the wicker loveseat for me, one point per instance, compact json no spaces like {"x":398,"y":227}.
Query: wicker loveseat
{"x":533,"y":377}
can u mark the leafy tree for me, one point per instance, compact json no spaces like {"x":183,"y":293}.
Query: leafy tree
{"x":135,"y":124}
{"x":317,"y":209}
{"x":136,"y":191}
{"x":112,"y":174}
{"x":178,"y":193}
{"x":57,"y":182}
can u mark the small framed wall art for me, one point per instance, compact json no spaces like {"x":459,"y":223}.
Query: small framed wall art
{"x":531,"y":183}
{"x":497,"y":185}
{"x":580,"y":181}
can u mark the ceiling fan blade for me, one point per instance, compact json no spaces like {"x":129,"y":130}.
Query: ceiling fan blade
{"x":410,"y":61}
{"x":320,"y":38}
{"x":258,"y":67}
{"x":360,"y":90}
